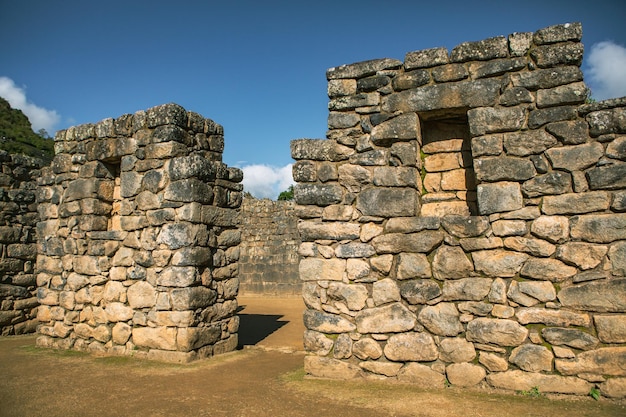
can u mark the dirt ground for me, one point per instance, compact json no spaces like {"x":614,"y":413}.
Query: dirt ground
{"x":264,"y":378}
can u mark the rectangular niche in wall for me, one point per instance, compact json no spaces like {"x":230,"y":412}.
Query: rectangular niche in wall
{"x":114,"y":220}
{"x":449,"y":184}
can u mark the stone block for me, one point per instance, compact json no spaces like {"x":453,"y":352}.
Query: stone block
{"x":602,"y":361}
{"x":450,"y":262}
{"x":410,"y":79}
{"x":191,"y":298}
{"x":189,"y":190}
{"x":524,"y":381}
{"x":403,"y":127}
{"x":353,"y":295}
{"x":540,"y":117}
{"x":484,"y":50}
{"x":530,"y":142}
{"x":313,"y":269}
{"x":609,"y":177}
{"x":547,"y":78}
{"x":456,"y":350}
{"x":498,"y":262}
{"x":326,"y":322}
{"x":573,"y":338}
{"x":501,"y":332}
{"x":419,"y":291}
{"x":414,"y":347}
{"x":392,"y":318}
{"x":323,"y":367}
{"x":496,"y":67}
{"x":191,"y":338}
{"x":362,"y":69}
{"x":554,"y":229}
{"x":604,"y":296}
{"x":318,"y":194}
{"x":547,"y":269}
{"x":576,"y":157}
{"x":465,"y":374}
{"x":584,"y":255}
{"x":599,"y":228}
{"x":485,"y":120}
{"x":553,"y":55}
{"x":163,"y":338}
{"x":422,"y":242}
{"x":441,"y":319}
{"x":499,"y":197}
{"x":421,"y":376}
{"x":426,"y":58}
{"x":475,"y":289}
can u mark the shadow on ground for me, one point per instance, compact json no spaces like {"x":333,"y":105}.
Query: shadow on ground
{"x":253,"y":328}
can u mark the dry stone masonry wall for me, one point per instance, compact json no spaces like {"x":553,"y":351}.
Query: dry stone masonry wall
{"x":268,"y":263}
{"x":138,"y":238}
{"x":18,"y":245}
{"x":464,"y":222}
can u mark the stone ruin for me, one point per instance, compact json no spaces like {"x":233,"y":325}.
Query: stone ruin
{"x":464,"y":222}
{"x":138,"y":238}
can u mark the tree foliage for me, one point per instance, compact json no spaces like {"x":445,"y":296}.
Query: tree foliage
{"x":17,"y":136}
{"x":286,"y":195}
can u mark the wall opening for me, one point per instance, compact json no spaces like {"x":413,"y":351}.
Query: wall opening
{"x":448,"y":179}
{"x":114,"y":220}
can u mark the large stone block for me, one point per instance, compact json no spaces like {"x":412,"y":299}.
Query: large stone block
{"x":576,"y":203}
{"x":465,"y":374}
{"x":457,"y":350}
{"x":313,"y":269}
{"x":326,"y":322}
{"x":422,"y":242}
{"x":392,"y":318}
{"x":189,"y":190}
{"x":611,"y":329}
{"x":499,"y":263}
{"x":387,"y":202}
{"x":499,"y":197}
{"x":182,"y":299}
{"x":310,"y":231}
{"x":547,"y":269}
{"x":451,"y":262}
{"x":190,"y":338}
{"x":155,"y":337}
{"x":453,"y":95}
{"x":465,"y":226}
{"x":503,"y":168}
{"x":602,"y":361}
{"x":609,"y":177}
{"x":524,"y":381}
{"x":485,"y":120}
{"x":318,"y":194}
{"x":501,"y":332}
{"x":599,"y":228}
{"x":441,"y":319}
{"x":475,"y":289}
{"x":362,"y":69}
{"x":353,"y":295}
{"x":556,"y":182}
{"x":413,"y":265}
{"x":414,"y":347}
{"x":530,"y":142}
{"x":323,"y":367}
{"x":605,"y":296}
{"x":573,"y":338}
{"x":403,"y":127}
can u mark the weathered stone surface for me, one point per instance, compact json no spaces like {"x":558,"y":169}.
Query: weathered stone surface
{"x":387,"y":202}
{"x":155,"y":337}
{"x":528,"y":293}
{"x":552,"y":317}
{"x":395,"y":177}
{"x":411,"y":347}
{"x":575,"y":93}
{"x":403,"y":127}
{"x":390,"y":318}
{"x":382,"y":368}
{"x":614,"y":387}
{"x":310,"y":230}
{"x":569,"y":337}
{"x":554,"y":229}
{"x":535,"y":247}
{"x":441,"y":319}
{"x":600,"y":228}
{"x":553,"y":55}
{"x":493,"y":362}
{"x":532,"y":358}
{"x":540,"y":117}
{"x":547,"y":269}
{"x":413,"y":265}
{"x":465,"y":374}
{"x":583,"y":255}
{"x":385,"y":291}
{"x":419,"y":291}
{"x":480,"y":243}
{"x":460,"y":94}
{"x":362,"y":69}
{"x":141,"y":294}
{"x":312,"y":269}
{"x":503,"y":168}
{"x":317,"y":343}
{"x":602,"y":361}
{"x":480,"y":50}
{"x":450,"y":262}
{"x":410,"y":79}
{"x":353,"y":295}
{"x":523,"y":381}
{"x":485,"y":120}
{"x":354,"y":250}
{"x":456,"y":350}
{"x":528,"y":142}
{"x":190,"y":338}
{"x":421,"y":375}
{"x":575,"y":158}
{"x":606,"y":296}
{"x":576,"y":203}
{"x":318,"y":194}
{"x":474,"y":289}
{"x":497,"y":331}
{"x":499,"y":197}
{"x":609,"y":177}
{"x":326,"y":322}
{"x":509,"y":228}
{"x":464,"y":227}
{"x":426,"y":58}
{"x":498,"y":262}
{"x":367,"y":348}
{"x":611,"y":329}
{"x":190,"y":298}
{"x":178,"y":276}
{"x":556,"y":182}
{"x":422,"y":242}
{"x":323,"y":367}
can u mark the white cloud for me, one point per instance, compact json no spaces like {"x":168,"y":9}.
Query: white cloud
{"x":607,"y":70}
{"x":39,"y":117}
{"x":265,"y":181}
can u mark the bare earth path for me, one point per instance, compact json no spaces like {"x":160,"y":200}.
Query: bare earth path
{"x":263,"y":379}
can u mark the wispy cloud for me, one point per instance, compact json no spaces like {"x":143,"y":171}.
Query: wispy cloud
{"x":265,"y":181}
{"x":39,"y":117}
{"x":607,"y":70}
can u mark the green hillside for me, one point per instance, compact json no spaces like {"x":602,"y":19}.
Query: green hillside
{"x":17,"y":136}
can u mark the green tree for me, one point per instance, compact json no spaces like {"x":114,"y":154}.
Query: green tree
{"x":17,"y":136}
{"x":286,"y":195}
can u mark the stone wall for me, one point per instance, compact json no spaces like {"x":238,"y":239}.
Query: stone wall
{"x":138,"y":238}
{"x":464,"y":222}
{"x":268,"y":262}
{"x":18,"y":246}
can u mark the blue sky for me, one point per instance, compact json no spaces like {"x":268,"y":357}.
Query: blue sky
{"x":256,"y":67}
